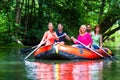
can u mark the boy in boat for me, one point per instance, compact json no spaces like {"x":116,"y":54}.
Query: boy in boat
{"x":62,"y":35}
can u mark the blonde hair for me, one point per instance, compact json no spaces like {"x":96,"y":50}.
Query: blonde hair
{"x":80,"y":29}
{"x":50,"y":23}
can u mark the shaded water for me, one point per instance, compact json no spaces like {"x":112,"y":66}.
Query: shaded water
{"x":12,"y":67}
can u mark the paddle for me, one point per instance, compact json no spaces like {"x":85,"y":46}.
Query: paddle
{"x":25,"y":50}
{"x":90,"y":49}
{"x":105,"y":52}
{"x":62,"y":35}
{"x":33,"y":51}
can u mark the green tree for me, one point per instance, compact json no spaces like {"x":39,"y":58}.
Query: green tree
{"x":27,"y":19}
{"x":105,"y":13}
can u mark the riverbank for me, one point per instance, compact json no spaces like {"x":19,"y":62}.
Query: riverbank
{"x":13,"y":44}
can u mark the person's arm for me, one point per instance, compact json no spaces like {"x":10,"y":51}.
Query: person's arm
{"x":101,"y":41}
{"x":55,"y":35}
{"x":66,"y":36}
{"x":75,"y":40}
{"x":43,"y":39}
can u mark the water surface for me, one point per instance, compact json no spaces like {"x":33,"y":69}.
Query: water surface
{"x":13,"y":67}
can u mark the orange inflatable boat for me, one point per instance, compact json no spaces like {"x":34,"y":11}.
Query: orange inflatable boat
{"x":67,"y":52}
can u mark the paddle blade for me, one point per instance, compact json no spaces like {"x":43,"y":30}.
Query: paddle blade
{"x":26,"y":50}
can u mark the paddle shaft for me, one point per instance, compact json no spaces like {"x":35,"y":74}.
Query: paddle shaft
{"x":33,"y":51}
{"x":34,"y":46}
{"x":61,"y":35}
{"x":105,"y":52}
{"x":90,"y":49}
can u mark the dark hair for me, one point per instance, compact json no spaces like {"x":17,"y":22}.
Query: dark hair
{"x":60,"y":24}
{"x":88,"y":24}
{"x":97,"y":26}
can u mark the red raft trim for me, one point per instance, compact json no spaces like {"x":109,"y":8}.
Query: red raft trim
{"x":85,"y":53}
{"x":43,"y":49}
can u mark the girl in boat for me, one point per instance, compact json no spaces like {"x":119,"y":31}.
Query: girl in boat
{"x":97,"y":38}
{"x":61,"y":34}
{"x":84,"y":37}
{"x":49,"y":36}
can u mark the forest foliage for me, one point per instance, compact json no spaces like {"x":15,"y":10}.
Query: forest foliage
{"x":27,"y":20}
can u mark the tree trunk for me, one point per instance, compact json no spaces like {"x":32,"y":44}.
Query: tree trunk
{"x":108,"y":23}
{"x":101,"y":10}
{"x":18,"y":16}
{"x":18,"y":12}
{"x":8,"y":24}
{"x":27,"y":16}
{"x":111,"y":32}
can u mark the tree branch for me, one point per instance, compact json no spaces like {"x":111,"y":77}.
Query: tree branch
{"x":106,"y":35}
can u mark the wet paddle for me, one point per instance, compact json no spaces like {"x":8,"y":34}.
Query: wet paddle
{"x":26,"y":50}
{"x":38,"y":46}
{"x":90,"y":49}
{"x":105,"y":52}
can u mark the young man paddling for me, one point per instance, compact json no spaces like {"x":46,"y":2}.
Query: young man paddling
{"x":61,"y":34}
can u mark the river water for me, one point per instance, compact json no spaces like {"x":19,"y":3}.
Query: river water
{"x":13,"y":67}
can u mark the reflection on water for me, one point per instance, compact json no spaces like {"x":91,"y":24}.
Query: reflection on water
{"x":38,"y":71}
{"x":13,"y":68}
{"x":87,"y":70}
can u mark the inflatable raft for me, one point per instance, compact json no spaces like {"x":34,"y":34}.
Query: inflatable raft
{"x":67,"y":52}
